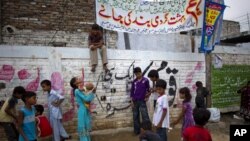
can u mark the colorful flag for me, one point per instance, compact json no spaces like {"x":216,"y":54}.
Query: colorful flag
{"x":212,"y":25}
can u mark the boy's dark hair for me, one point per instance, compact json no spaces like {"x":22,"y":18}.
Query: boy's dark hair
{"x":186,"y":92}
{"x":153,"y":73}
{"x":95,"y":27}
{"x":19,"y":90}
{"x":161,"y":83}
{"x":198,"y":84}
{"x":28,"y":94}
{"x":201,"y":116}
{"x":2,"y":86}
{"x":146,"y":125}
{"x":137,"y":69}
{"x":46,"y":82}
{"x":39,"y":108}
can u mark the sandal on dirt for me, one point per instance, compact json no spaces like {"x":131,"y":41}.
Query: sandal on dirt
{"x":92,"y":69}
{"x":105,"y":68}
{"x":67,"y":138}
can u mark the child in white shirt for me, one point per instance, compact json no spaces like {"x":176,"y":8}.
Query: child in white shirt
{"x":161,"y":113}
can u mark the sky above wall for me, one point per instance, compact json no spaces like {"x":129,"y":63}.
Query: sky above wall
{"x":236,"y":8}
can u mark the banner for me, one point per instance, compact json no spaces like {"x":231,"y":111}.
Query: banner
{"x":144,"y":17}
{"x":212,"y":25}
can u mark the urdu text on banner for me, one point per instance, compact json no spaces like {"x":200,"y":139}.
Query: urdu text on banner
{"x":145,"y":17}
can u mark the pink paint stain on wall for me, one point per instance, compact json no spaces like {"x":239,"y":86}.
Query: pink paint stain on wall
{"x":194,"y":87}
{"x":7,"y":73}
{"x":188,"y":80}
{"x":69,"y":115}
{"x":33,"y":85}
{"x":23,"y":74}
{"x":189,"y":77}
{"x":198,"y":66}
{"x":82,"y":75}
{"x":57,"y":82}
{"x":57,"y":85}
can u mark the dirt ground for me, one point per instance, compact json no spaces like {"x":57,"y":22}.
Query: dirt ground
{"x":219,"y":131}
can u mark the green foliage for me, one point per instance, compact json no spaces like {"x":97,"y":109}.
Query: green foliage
{"x":225,"y":83}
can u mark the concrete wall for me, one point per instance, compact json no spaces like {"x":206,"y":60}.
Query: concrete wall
{"x":161,"y":42}
{"x":28,"y":66}
{"x":230,"y":28}
{"x":234,"y":55}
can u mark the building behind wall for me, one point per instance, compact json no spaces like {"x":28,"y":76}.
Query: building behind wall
{"x":67,"y":23}
{"x":230,"y":28}
{"x":48,"y":23}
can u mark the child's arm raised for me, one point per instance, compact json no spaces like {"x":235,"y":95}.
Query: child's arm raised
{"x":20,"y":122}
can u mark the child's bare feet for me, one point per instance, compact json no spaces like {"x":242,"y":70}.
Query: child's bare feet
{"x":105,"y":68}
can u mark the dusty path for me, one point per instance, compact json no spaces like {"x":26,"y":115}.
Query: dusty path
{"x":219,"y":131}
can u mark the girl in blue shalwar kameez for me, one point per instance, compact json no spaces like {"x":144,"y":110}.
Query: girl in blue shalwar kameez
{"x":84,"y":118}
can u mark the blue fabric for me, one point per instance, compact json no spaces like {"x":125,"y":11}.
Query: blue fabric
{"x":29,"y":124}
{"x":149,"y":136}
{"x":84,"y":119}
{"x":162,"y":132}
{"x":139,"y":107}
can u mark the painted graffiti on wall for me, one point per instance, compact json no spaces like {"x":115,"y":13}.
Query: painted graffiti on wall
{"x":57,"y":82}
{"x":34,"y":84}
{"x":189,"y":78}
{"x":128,"y":77}
{"x":107,"y":85}
{"x":7,"y":73}
{"x":23,"y":74}
{"x":172,"y":81}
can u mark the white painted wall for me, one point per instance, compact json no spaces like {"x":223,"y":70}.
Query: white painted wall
{"x":174,"y":42}
{"x":70,"y":61}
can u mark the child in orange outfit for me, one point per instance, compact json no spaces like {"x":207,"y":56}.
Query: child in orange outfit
{"x":88,"y":87}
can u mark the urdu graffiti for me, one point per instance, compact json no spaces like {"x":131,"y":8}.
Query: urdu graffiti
{"x":106,"y":100}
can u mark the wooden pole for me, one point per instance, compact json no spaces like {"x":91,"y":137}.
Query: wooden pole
{"x":208,"y":59}
{"x":126,"y":39}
